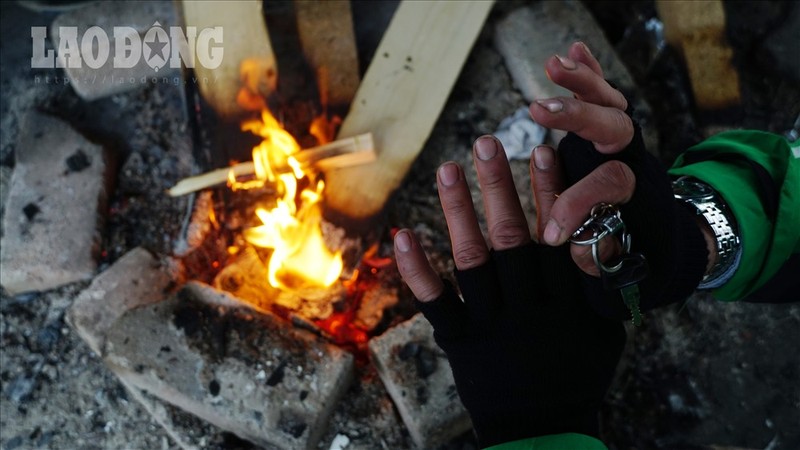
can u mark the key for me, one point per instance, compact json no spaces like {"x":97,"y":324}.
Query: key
{"x":631,"y":269}
{"x":630,"y":295}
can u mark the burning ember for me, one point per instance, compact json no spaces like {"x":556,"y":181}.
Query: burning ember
{"x":291,"y":228}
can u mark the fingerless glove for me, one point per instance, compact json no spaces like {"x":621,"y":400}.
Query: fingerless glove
{"x":661,"y":229}
{"x":528,"y":355}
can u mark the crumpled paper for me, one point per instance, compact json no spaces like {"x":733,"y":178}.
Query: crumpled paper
{"x":519,"y":134}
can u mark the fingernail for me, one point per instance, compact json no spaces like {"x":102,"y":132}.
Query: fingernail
{"x":448,"y":174}
{"x":402,"y":242}
{"x":543,"y":157}
{"x":552,"y":233}
{"x":485,"y":148}
{"x":586,"y":50}
{"x":567,"y":63}
{"x":551,"y":105}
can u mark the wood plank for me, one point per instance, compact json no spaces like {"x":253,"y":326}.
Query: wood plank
{"x":325,"y":29}
{"x":245,"y":44}
{"x":400,"y":98}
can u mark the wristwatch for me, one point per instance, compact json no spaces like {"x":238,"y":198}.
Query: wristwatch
{"x":704,"y":201}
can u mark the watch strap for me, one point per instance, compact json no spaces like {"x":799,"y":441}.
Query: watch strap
{"x":720,"y":220}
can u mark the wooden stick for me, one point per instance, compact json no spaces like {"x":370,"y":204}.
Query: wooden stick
{"x":337,"y":154}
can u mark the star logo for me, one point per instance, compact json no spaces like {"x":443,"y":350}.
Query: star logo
{"x":156,"y":48}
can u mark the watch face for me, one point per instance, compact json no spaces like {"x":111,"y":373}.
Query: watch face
{"x":691,"y":190}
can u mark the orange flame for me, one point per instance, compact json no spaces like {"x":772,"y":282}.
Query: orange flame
{"x":292,"y":228}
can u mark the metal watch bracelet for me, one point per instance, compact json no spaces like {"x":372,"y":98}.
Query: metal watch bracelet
{"x":704,"y":201}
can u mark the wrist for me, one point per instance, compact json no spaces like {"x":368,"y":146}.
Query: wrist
{"x":711,"y":244}
{"x":718,"y":227}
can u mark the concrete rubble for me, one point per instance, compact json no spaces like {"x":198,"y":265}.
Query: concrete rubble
{"x":53,"y":211}
{"x":203,"y":351}
{"x":419,"y":380}
{"x":138,"y":17}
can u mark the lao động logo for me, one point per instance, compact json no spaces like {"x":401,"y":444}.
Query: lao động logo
{"x":158,"y":47}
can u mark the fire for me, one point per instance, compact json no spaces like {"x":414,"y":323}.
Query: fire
{"x":291,"y":228}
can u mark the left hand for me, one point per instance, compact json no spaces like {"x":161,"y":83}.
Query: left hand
{"x":595,"y":114}
{"x":603,"y":160}
{"x":528,"y":355}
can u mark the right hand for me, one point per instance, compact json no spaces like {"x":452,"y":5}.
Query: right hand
{"x":528,"y":355}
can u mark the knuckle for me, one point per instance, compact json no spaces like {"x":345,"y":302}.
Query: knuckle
{"x":617,"y":173}
{"x":492,"y":180}
{"x":564,"y":207}
{"x":470,"y":254}
{"x":509,"y":233}
{"x":409,"y":271}
{"x":622,"y":121}
{"x":621,"y":101}
{"x":416,"y":281}
{"x":427,"y":292}
{"x":456,"y":206}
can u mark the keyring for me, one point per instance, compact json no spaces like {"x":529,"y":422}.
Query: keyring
{"x":604,"y":219}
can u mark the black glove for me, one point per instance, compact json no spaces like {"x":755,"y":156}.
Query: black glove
{"x":661,"y":229}
{"x":528,"y":355}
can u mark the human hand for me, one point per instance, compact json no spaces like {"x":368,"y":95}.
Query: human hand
{"x":528,"y":356}
{"x":603,"y":160}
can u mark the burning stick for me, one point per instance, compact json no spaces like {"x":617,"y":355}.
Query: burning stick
{"x":348,"y":152}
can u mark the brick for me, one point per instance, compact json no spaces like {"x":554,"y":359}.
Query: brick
{"x":5,"y":181}
{"x":136,"y":279}
{"x":698,"y":30}
{"x":419,"y":380}
{"x":52,"y":216}
{"x":106,"y":80}
{"x":249,"y":373}
{"x":531,"y":34}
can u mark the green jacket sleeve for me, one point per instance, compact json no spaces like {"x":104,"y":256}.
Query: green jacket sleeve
{"x":571,"y":441}
{"x":758,"y":175}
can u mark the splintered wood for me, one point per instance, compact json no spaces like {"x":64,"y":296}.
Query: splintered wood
{"x":248,"y":70}
{"x":341,"y":153}
{"x":400,"y":98}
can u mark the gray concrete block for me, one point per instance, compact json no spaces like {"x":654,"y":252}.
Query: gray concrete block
{"x":417,"y":376}
{"x":5,"y":182}
{"x":136,"y":279}
{"x":93,"y":83}
{"x":52,"y":216}
{"x":527,"y":36}
{"x":249,"y":373}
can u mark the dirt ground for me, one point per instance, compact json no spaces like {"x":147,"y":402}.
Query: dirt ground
{"x":699,"y":374}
